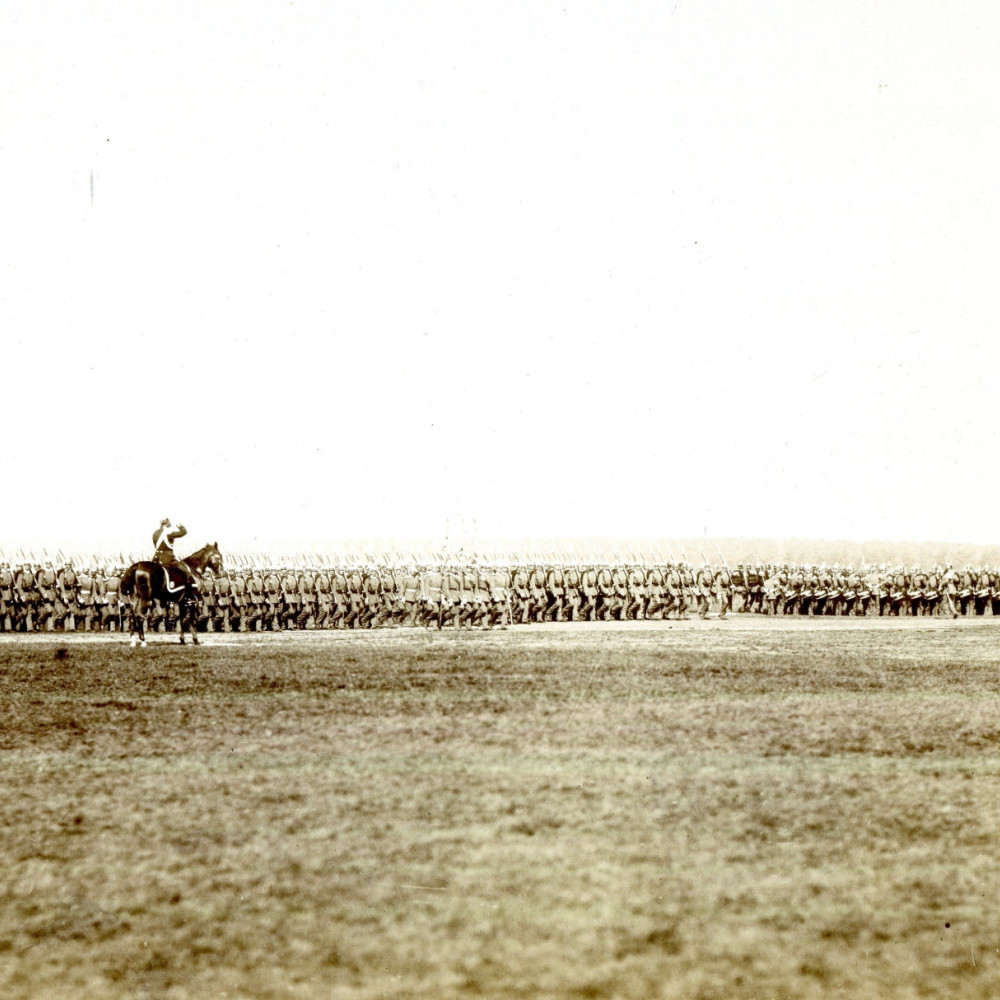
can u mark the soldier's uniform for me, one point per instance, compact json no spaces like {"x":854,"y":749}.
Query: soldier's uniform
{"x":949,"y":591}
{"x":724,"y":591}
{"x":555,"y":586}
{"x":254,"y":616}
{"x":223,"y":603}
{"x":306,"y":586}
{"x":324,"y":600}
{"x":371,"y":611}
{"x":66,"y":584}
{"x":655,"y":589}
{"x":500,"y":611}
{"x":272,"y":601}
{"x":539,"y":596}
{"x":674,"y":597}
{"x":522,"y":595}
{"x":589,"y":591}
{"x":451,"y":596}
{"x":932,"y":591}
{"x":822,"y":587}
{"x":635,"y":587}
{"x":410,"y":595}
{"x":703,"y":590}
{"x":163,"y":542}
{"x":85,"y":609}
{"x":392,"y":604}
{"x":619,"y":599}
{"x":481,"y":598}
{"x":45,"y":585}
{"x":432,"y":595}
{"x":340,"y":590}
{"x":207,"y":613}
{"x":917,"y":592}
{"x":965,"y":591}
{"x":687,"y":585}
{"x":571,"y":581}
{"x":25,"y":595}
{"x":290,"y":599}
{"x":111,"y":607}
{"x":355,"y":598}
{"x":984,"y":590}
{"x":8,"y":612}
{"x":239,"y":607}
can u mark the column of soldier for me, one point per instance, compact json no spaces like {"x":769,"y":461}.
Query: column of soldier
{"x":59,"y":596}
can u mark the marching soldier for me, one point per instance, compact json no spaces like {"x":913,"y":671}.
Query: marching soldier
{"x":411,"y":595}
{"x":724,"y":591}
{"x":619,"y":596}
{"x":238,"y":611}
{"x":675,"y":601}
{"x":111,"y":606}
{"x":255,"y":603}
{"x":654,"y":593}
{"x":965,"y":591}
{"x":432,"y":594}
{"x":223,"y":603}
{"x":290,"y":599}
{"x":340,"y":590}
{"x":66,"y":584}
{"x":555,"y":587}
{"x":539,"y":596}
{"x":589,"y":591}
{"x":605,"y":593}
{"x":500,"y":610}
{"x":521,"y":595}
{"x":984,"y":589}
{"x":635,"y":589}
{"x":371,"y":591}
{"x":45,"y":584}
{"x":451,"y":596}
{"x":8,"y":613}
{"x":324,"y":599}
{"x":703,"y":590}
{"x":355,"y":599}
{"x":949,"y":594}
{"x":916,"y":595}
{"x":84,"y":610}
{"x":573,"y":602}
{"x":272,"y":601}
{"x":306,"y":587}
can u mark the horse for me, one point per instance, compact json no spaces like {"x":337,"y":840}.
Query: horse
{"x":145,"y":582}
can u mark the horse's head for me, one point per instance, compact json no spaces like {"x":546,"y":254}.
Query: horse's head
{"x":213,"y":558}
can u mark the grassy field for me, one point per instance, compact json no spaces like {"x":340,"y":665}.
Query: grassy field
{"x":748,"y":809}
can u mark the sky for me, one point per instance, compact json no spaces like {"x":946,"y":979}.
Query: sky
{"x":322,"y":270}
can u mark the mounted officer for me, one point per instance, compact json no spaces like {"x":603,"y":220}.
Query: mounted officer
{"x":163,"y":539}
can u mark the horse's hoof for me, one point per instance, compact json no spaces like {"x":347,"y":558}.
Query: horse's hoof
{"x":135,"y":642}
{"x":143,"y":643}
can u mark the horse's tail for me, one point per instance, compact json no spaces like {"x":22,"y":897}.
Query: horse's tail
{"x":127,"y":585}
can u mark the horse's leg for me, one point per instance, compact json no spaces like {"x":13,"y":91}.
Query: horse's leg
{"x":137,"y":619}
{"x":188,"y":619}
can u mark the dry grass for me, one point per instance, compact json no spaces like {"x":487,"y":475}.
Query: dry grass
{"x":750,"y":811}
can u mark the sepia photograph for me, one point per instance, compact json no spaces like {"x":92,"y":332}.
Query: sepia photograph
{"x":499,"y":500}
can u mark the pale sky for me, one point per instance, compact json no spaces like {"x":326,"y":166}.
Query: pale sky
{"x":325,"y":270}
